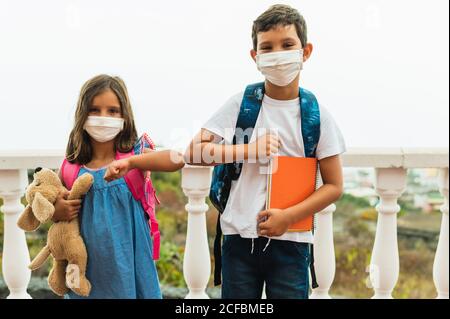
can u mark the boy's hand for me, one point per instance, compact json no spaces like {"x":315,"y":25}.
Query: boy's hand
{"x":273,"y":222}
{"x":65,"y":210}
{"x":117,"y":169}
{"x":265,"y":146}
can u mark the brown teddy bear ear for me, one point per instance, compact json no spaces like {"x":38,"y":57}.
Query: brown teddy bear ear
{"x":43,"y":210}
{"x":27,"y":221}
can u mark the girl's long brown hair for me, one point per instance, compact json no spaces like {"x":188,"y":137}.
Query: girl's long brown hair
{"x":79,"y":148}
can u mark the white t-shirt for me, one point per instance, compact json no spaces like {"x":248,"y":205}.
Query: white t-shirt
{"x":248,"y":194}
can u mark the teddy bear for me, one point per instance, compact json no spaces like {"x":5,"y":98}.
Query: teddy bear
{"x":64,"y":242}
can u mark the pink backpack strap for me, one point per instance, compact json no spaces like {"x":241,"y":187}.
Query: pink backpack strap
{"x":69,"y":173}
{"x":142,"y":190}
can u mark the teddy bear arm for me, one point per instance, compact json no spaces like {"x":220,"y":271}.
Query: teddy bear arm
{"x":81,"y":186}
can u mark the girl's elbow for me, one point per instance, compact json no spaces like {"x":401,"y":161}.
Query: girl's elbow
{"x":179,"y":166}
{"x":187,"y":158}
{"x":178,"y":161}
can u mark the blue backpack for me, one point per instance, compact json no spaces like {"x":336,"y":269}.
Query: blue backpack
{"x":224,"y":174}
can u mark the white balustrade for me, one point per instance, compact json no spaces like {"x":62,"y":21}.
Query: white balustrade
{"x":440,"y":268}
{"x":324,"y":257}
{"x":196,"y":183}
{"x":15,"y":251}
{"x":391,"y":166}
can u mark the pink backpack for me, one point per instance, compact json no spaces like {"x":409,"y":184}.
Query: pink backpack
{"x":140,"y":186}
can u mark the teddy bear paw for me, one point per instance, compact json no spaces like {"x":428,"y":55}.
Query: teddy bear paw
{"x":81,"y":286}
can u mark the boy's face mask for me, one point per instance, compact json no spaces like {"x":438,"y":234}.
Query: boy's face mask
{"x":103,"y":128}
{"x":282,"y":67}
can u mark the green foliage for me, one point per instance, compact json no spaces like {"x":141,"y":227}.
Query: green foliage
{"x":164,"y":182}
{"x":356,"y":227}
{"x":369,"y":214}
{"x":349,"y":204}
{"x":170,"y":265}
{"x":407,"y":206}
{"x":1,"y":227}
{"x":412,"y":178}
{"x":1,"y":236}
{"x":358,"y":202}
{"x":172,"y":225}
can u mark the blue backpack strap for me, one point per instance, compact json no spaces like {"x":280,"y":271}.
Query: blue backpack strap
{"x":249,"y":111}
{"x":310,"y":115}
{"x":248,"y":115}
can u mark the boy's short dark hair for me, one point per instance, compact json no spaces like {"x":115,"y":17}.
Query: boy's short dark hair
{"x":279,"y":15}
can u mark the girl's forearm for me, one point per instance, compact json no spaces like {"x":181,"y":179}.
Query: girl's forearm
{"x":318,"y":201}
{"x":163,"y":161}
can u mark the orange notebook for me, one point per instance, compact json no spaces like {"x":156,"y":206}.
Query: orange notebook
{"x":290,"y":181}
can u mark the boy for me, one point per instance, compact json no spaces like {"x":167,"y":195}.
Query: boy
{"x":257,"y":248}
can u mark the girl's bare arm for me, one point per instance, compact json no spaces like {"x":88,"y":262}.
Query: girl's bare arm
{"x":162,"y":161}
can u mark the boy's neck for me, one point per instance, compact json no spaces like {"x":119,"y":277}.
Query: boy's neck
{"x":283,"y":93}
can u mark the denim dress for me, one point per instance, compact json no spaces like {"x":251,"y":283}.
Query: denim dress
{"x":116,"y":232}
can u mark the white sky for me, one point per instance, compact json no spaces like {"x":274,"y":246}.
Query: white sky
{"x":380,"y":67}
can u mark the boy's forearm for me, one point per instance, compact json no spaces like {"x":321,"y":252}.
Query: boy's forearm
{"x":318,"y":201}
{"x":163,"y":161}
{"x":211,"y":154}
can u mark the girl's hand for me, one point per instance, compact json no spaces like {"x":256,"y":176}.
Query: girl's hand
{"x":273,"y":222}
{"x":65,"y":210}
{"x":117,"y":169}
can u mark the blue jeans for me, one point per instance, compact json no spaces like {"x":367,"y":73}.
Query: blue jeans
{"x":283,"y":267}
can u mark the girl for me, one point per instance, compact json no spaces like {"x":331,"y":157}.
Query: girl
{"x":113,"y":224}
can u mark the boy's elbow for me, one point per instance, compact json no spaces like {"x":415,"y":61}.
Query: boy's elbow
{"x":339,"y":191}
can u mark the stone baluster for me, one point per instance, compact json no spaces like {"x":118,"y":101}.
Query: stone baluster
{"x":16,"y":257}
{"x":384,"y":268}
{"x":197,"y":263}
{"x":324,"y":257}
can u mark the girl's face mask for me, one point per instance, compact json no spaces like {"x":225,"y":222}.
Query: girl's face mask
{"x":282,"y":67}
{"x":103,"y":128}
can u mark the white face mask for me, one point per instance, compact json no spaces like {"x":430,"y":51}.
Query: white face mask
{"x":103,"y":128}
{"x":280,"y":68}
